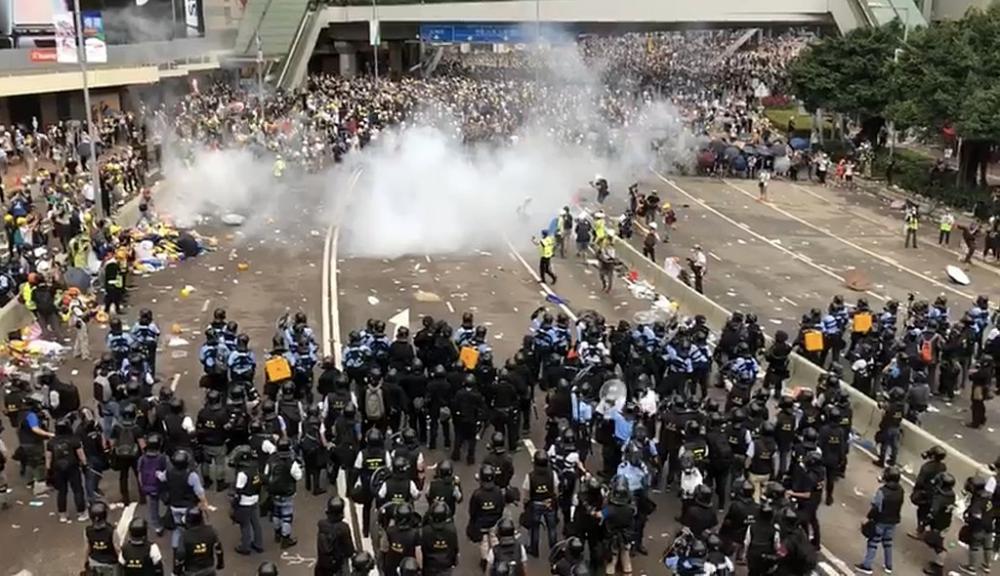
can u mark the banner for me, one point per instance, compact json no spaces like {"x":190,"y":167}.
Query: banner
{"x":94,"y":40}
{"x":65,"y":38}
{"x":192,"y":18}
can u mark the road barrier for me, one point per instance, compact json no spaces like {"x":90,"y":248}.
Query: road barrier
{"x":804,"y":374}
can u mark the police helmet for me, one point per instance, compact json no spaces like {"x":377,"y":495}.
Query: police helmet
{"x":445,"y":469}
{"x":219,"y":315}
{"x":243,"y":342}
{"x":439,"y":512}
{"x":145,"y":315}
{"x":375,"y":438}
{"x":686,"y":461}
{"x":505,"y":528}
{"x":194,"y":517}
{"x":335,"y":507}
{"x":409,"y":437}
{"x":267,"y":569}
{"x":698,"y":549}
{"x":574,"y":546}
{"x":237,"y":393}
{"x":692,"y":428}
{"x":213,"y":397}
{"x":408,"y":567}
{"x":232,"y":327}
{"x":181,"y":459}
{"x":767,"y":428}
{"x":283,"y":445}
{"x":946,"y":481}
{"x":350,"y":410}
{"x":540,"y":459}
{"x":497,"y":442}
{"x":137,"y":530}
{"x":487,"y":473}
{"x":154,"y":442}
{"x":703,"y":495}
{"x":362,"y":562}
{"x":98,"y":512}
{"x":400,"y":464}
{"x":403,"y":513}
{"x":115,"y":325}
{"x":891,"y":474}
{"x":747,"y":489}
{"x":354,"y":337}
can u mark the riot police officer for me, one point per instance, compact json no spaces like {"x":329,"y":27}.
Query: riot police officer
{"x":486,"y":507}
{"x":200,"y":553}
{"x":439,"y":541}
{"x":283,"y":472}
{"x":334,"y":544}
{"x":139,"y":556}
{"x":102,"y":556}
{"x":212,"y":435}
{"x":445,"y":486}
{"x":402,"y":539}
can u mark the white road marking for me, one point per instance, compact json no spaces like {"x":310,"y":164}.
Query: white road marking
{"x":712,"y":254}
{"x":883,"y":224}
{"x":174,"y":381}
{"x":401,"y":319}
{"x":857,"y":247}
{"x":842,"y":567}
{"x":530,"y":447}
{"x":331,"y":338}
{"x":450,"y":307}
{"x":545,"y":287}
{"x":428,"y":258}
{"x":757,"y":235}
{"x":204,"y":307}
{"x":122,"y":529}
{"x":789,"y":300}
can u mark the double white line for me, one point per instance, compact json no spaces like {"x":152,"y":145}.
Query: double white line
{"x":331,"y":347}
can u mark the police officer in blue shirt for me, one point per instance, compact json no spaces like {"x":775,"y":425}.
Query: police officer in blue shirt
{"x":213,"y":356}
{"x":466,"y":332}
{"x":833,"y":340}
{"x":242,"y":362}
{"x":356,"y":356}
{"x":700,"y":356}
{"x":633,"y":470}
{"x":119,"y":342}
{"x":305,"y":362}
{"x":146,"y":336}
{"x":229,"y":334}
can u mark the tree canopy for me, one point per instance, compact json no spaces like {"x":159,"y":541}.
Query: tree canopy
{"x":944,"y":76}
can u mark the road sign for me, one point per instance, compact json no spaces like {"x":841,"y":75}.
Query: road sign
{"x":502,"y":33}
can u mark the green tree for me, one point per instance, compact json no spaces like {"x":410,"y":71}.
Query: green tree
{"x":850,"y":74}
{"x":948,"y":77}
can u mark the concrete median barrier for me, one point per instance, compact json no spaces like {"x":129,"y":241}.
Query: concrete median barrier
{"x":804,"y":374}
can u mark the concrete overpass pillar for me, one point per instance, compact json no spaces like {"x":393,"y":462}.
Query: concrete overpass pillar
{"x":348,"y":59}
{"x":396,"y":58}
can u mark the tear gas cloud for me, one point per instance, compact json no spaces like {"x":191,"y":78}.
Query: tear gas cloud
{"x":420,"y":190}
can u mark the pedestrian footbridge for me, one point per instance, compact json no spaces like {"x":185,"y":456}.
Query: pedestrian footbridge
{"x":285,"y":32}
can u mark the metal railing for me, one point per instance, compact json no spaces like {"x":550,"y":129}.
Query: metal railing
{"x":184,"y":51}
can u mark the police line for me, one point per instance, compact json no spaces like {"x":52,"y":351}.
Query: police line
{"x":804,"y":374}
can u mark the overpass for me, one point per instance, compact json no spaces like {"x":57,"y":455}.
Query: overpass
{"x":289,"y":30}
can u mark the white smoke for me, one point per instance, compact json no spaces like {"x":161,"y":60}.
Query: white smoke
{"x":421,"y":191}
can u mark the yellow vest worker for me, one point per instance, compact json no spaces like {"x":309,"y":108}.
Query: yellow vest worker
{"x":28,"y":296}
{"x":547,"y":247}
{"x":279,"y":168}
{"x":600,"y":229}
{"x":912,"y":222}
{"x":546,"y":250}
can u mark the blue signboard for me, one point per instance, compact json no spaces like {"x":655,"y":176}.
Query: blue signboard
{"x":520,"y":33}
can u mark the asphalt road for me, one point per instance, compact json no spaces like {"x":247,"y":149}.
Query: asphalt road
{"x":287,"y":273}
{"x":781,"y":258}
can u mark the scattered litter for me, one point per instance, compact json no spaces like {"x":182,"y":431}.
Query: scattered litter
{"x":176,"y":341}
{"x":959,"y":436}
{"x":178,"y":354}
{"x":235,"y":281}
{"x":858,"y":491}
{"x":36,"y":503}
{"x":990,"y":430}
{"x":211,"y":268}
{"x":243,"y":266}
{"x":741,"y":241}
{"x":498,"y":336}
{"x":314,"y":232}
{"x":74,"y":372}
{"x":15,"y":526}
{"x":932,"y":409}
{"x":775,"y":321}
{"x":186,"y":291}
{"x":175,"y":328}
{"x":373,"y":300}
{"x":233,"y":219}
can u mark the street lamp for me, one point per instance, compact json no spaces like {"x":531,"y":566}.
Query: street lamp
{"x":95,"y":171}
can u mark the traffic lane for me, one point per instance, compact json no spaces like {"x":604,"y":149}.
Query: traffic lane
{"x":840,"y":523}
{"x":872,"y":214}
{"x":841,"y":243}
{"x":283,"y":271}
{"x":500,"y":293}
{"x":945,"y":420}
{"x":746,"y":271}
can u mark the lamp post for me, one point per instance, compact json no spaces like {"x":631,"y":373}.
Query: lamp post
{"x":895,"y":59}
{"x":95,"y":171}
